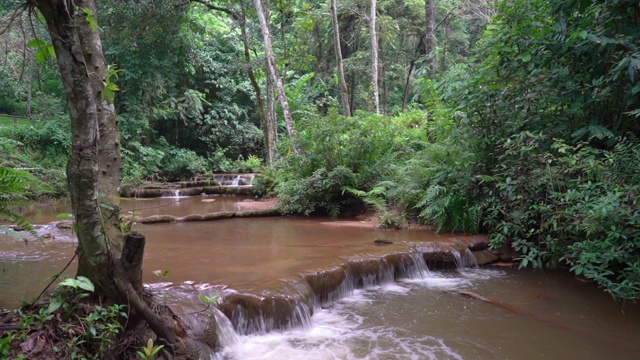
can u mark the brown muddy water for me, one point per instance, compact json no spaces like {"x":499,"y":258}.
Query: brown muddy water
{"x":539,"y":315}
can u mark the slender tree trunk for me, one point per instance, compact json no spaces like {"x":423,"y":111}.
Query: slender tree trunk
{"x":270,"y":142}
{"x":271,"y":61}
{"x":271,"y":108}
{"x":412,"y":64}
{"x":405,"y":96}
{"x":29,"y":87}
{"x":344,"y":91}
{"x":374,"y":58}
{"x":443,"y":61}
{"x":430,"y":38}
{"x":93,"y":168}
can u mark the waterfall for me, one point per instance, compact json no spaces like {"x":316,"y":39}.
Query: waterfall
{"x":227,"y":335}
{"x":464,"y":260}
{"x":171,"y":193}
{"x":470,"y":258}
{"x":235,"y":181}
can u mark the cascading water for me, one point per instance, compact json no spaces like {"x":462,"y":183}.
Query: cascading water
{"x":235,"y":181}
{"x":470,"y":259}
{"x":464,"y":260}
{"x":294,"y":303}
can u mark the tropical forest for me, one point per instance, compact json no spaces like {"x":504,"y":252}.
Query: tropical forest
{"x":337,"y":179}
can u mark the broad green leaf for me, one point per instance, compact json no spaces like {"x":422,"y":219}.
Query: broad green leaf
{"x":209,"y":299}
{"x":54,"y":305}
{"x":70,"y":282}
{"x":85,"y":283}
{"x":525,"y":57}
{"x":36,"y":43}
{"x":106,"y":206}
{"x":91,"y":19}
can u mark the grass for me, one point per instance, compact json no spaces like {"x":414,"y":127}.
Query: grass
{"x":9,"y":121}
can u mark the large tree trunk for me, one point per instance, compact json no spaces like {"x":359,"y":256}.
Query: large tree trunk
{"x":344,"y":91}
{"x":374,"y":57}
{"x":93,"y":168}
{"x":273,"y":69}
{"x":429,"y":36}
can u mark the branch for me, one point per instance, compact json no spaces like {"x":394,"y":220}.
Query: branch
{"x":225,"y":10}
{"x":442,"y":20}
{"x":17,"y":12}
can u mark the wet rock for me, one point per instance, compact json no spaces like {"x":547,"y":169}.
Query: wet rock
{"x":505,"y":254}
{"x":282,"y":307}
{"x":192,"y":217}
{"x":326,"y":283}
{"x":217,"y":216}
{"x":48,"y":236}
{"x":439,"y":259}
{"x":479,"y":243}
{"x":233,"y":190}
{"x":156,"y":219}
{"x":382,"y":242}
{"x":484,"y":257}
{"x":67,"y":224}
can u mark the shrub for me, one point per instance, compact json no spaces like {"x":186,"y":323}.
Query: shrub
{"x":181,"y":164}
{"x":355,"y":152}
{"x":571,"y":204}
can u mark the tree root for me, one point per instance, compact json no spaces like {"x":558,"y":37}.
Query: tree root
{"x":156,"y":323}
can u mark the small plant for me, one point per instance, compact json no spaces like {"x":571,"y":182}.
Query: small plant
{"x":83,"y":331}
{"x":162,"y":274}
{"x":150,"y":351}
{"x":251,"y":164}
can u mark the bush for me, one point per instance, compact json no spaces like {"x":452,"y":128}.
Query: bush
{"x":140,"y":162}
{"x":181,"y":164}
{"x":572,"y":204}
{"x":338,"y":152}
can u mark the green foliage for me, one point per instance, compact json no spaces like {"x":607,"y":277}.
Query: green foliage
{"x":251,"y":164}
{"x":574,"y":204}
{"x":13,"y":185}
{"x":140,"y":162}
{"x":340,"y":152}
{"x":181,"y":164}
{"x":376,"y":199}
{"x":8,"y":93}
{"x":81,"y":331}
{"x":110,"y":87}
{"x":48,"y":141}
{"x":150,"y":351}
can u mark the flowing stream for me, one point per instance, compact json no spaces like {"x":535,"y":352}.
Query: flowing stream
{"x":378,"y":311}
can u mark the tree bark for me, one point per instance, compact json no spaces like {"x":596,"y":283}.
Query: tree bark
{"x":429,"y":36}
{"x":270,"y":136}
{"x":272,"y":99}
{"x":344,"y":91}
{"x":273,"y":69}
{"x":93,"y":168}
{"x":374,"y":58}
{"x":272,"y":119}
